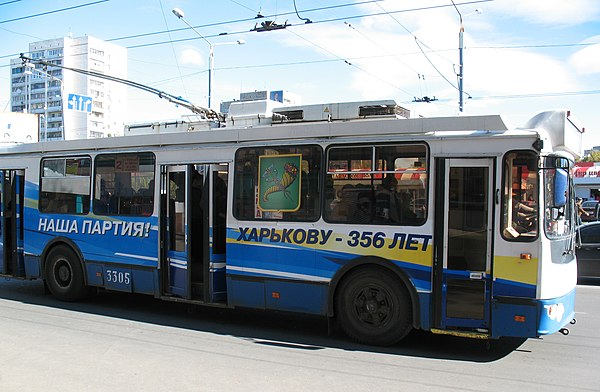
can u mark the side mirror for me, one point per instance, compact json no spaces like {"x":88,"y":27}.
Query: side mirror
{"x":561,"y":183}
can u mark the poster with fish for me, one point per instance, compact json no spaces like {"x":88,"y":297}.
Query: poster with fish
{"x":279,"y":182}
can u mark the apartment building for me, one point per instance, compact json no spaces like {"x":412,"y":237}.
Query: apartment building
{"x":72,"y":105}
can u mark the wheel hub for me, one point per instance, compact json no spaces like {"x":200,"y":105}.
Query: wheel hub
{"x":63,"y":274}
{"x":372,"y":306}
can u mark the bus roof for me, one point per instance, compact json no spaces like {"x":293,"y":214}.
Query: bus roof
{"x":270,"y":132}
{"x":314,"y":122}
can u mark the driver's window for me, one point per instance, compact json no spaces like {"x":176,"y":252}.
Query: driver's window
{"x":520,"y":200}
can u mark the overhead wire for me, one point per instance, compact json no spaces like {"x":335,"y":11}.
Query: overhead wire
{"x":351,"y":64}
{"x":10,"y":2}
{"x":53,"y":11}
{"x":243,"y":5}
{"x":209,"y":113}
{"x":322,"y":21}
{"x":418,"y":42}
{"x":173,"y":49}
{"x":379,"y":46}
{"x":271,"y":16}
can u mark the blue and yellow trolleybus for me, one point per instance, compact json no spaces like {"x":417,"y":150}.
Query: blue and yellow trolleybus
{"x":380,"y":223}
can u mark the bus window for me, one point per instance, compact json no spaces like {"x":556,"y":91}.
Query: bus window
{"x":277,"y":183}
{"x":520,"y":207}
{"x":124,"y":184}
{"x":65,"y":185}
{"x":377,"y":184}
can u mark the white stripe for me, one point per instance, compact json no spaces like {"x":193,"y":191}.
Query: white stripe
{"x":281,"y":274}
{"x":177,"y":261}
{"x":184,"y":267}
{"x":217,"y":265}
{"x":137,"y":256}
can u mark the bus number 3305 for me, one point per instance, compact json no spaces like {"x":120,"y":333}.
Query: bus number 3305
{"x":113,"y":276}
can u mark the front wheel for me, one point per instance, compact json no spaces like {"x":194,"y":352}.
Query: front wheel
{"x":64,"y":275}
{"x":373,"y":307}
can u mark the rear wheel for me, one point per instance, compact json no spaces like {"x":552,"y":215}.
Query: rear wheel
{"x":373,"y":307}
{"x":64,"y":275}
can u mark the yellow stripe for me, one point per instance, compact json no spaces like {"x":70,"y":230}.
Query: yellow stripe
{"x":410,"y":256}
{"x":515,"y":269}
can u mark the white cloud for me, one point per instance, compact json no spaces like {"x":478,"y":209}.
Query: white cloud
{"x":587,"y":60}
{"x":509,"y":72}
{"x":551,"y":12}
{"x":191,"y":57}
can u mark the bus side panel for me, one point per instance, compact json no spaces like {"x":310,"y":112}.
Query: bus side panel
{"x":33,"y":267}
{"x":31,"y":249}
{"x":512,"y":318}
{"x":515,"y":277}
{"x":125,"y":244}
{"x":133,"y":280}
{"x":425,"y":320}
{"x":296,"y":296}
{"x":245,"y":293}
{"x":266,"y":272}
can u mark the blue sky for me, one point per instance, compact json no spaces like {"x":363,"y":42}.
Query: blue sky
{"x":520,"y":57}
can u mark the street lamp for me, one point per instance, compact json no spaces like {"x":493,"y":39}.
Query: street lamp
{"x":461,"y":67}
{"x":179,"y":13}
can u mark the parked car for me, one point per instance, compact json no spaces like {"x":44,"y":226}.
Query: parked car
{"x":588,"y":250}
{"x":590,"y":206}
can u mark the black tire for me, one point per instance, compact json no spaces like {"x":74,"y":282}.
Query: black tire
{"x":64,"y":275}
{"x":373,"y":307}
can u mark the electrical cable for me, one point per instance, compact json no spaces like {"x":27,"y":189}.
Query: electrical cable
{"x":10,"y":2}
{"x":351,"y":64}
{"x":272,"y":16}
{"x":209,"y":113}
{"x":173,"y":49}
{"x":53,"y":11}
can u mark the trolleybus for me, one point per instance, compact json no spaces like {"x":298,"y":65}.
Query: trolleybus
{"x":382,"y":224}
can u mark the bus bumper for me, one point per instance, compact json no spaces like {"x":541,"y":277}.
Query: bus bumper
{"x":555,"y":314}
{"x":531,"y":318}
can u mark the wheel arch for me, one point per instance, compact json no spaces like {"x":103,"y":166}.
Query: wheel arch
{"x":62,"y":241}
{"x":380,"y":263}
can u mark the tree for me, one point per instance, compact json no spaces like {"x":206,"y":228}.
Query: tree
{"x":594,"y":156}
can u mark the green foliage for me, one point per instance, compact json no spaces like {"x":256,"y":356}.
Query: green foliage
{"x":594,"y":156}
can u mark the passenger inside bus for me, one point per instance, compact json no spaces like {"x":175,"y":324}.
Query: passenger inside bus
{"x":364,"y":208}
{"x":386,"y":202}
{"x":343,"y":204}
{"x":407,"y":215}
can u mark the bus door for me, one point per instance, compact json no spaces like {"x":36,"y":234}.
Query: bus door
{"x":463,"y":263}
{"x":175,"y":213}
{"x":193,"y":207}
{"x":12,"y":188}
{"x":217,"y":191}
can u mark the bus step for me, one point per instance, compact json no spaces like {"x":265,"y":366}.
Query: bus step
{"x":197,"y":290}
{"x":462,"y":334}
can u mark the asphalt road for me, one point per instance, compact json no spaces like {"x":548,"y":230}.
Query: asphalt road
{"x":122,"y":342}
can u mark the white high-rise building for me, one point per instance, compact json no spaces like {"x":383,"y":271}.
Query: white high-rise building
{"x":72,"y":105}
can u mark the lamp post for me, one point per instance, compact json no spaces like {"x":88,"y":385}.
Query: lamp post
{"x":211,"y":56}
{"x":461,"y":65}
